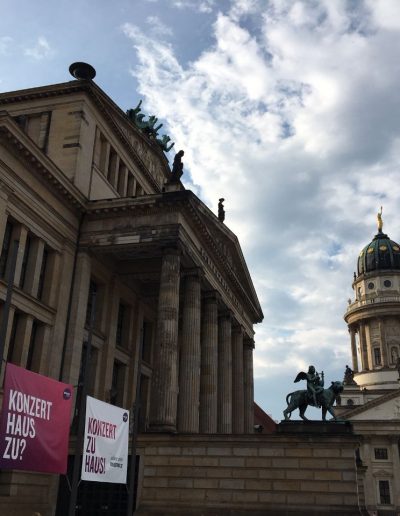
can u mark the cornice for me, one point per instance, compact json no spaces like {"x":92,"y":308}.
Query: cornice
{"x":12,"y":136}
{"x":102,"y":102}
{"x":373,"y":403}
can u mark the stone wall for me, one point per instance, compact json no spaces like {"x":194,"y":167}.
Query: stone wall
{"x":243,"y":475}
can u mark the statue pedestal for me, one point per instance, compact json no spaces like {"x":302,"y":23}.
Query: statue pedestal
{"x":315,"y":427}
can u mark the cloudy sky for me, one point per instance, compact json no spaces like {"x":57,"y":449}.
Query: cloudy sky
{"x":290,"y":110}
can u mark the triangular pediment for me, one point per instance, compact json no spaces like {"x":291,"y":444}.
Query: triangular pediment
{"x":385,"y":407}
{"x":225,"y":247}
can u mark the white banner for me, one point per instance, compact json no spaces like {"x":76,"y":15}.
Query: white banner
{"x":105,"y":450}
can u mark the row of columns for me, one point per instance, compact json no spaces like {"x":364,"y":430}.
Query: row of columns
{"x":211,"y":389}
{"x":367,"y":360}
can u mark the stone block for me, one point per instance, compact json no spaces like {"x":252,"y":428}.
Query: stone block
{"x":206,"y":461}
{"x":245,"y":496}
{"x":230,"y":483}
{"x":219,"y":473}
{"x":214,"y":495}
{"x":342,"y":487}
{"x":314,"y":486}
{"x":165,"y":471}
{"x":149,"y":472}
{"x":327,"y":475}
{"x":274,"y":474}
{"x":193,"y":495}
{"x":248,"y":452}
{"x":343,"y":464}
{"x":271,"y":452}
{"x":192,"y":450}
{"x":258,"y":462}
{"x":328,"y":499}
{"x":326,"y":452}
{"x":298,"y":452}
{"x":193,"y":472}
{"x":278,"y":498}
{"x":155,"y":482}
{"x":286,"y":485}
{"x":259,"y":484}
{"x":300,"y":498}
{"x":312,"y":463}
{"x":245,"y":473}
{"x":206,"y":483}
{"x":186,"y":483}
{"x":220,"y":450}
{"x":296,"y":474}
{"x":232,"y":462}
{"x":169,"y":450}
{"x":167,"y":494}
{"x":349,"y":475}
{"x":285,"y":463}
{"x":156,"y":460}
{"x":181,"y":461}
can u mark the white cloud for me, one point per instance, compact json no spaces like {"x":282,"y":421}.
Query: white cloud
{"x":157,"y":27}
{"x":202,"y":6}
{"x":41,"y":50}
{"x":295,"y":121}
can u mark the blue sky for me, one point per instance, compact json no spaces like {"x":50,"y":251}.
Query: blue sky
{"x":290,"y":110}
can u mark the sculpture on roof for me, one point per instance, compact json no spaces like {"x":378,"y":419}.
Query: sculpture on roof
{"x":149,"y":126}
{"x":177,"y":167}
{"x":221,"y":211}
{"x":348,"y":376}
{"x":380,"y":221}
{"x":315,"y":395}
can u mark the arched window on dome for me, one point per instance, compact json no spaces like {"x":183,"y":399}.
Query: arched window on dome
{"x":394,"y":354}
{"x":377,"y":356}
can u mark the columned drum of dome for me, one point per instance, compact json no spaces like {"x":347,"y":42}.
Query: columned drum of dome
{"x":373,"y":317}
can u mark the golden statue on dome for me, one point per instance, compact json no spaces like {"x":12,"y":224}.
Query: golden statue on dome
{"x":380,"y":221}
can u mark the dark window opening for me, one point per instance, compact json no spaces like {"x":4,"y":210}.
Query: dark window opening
{"x":117,"y":385}
{"x":5,"y":251}
{"x":42,"y":274}
{"x":381,"y":454}
{"x":384,"y":492}
{"x":25,"y":260}
{"x":377,"y":356}
{"x":13,"y":336}
{"x":93,"y":288}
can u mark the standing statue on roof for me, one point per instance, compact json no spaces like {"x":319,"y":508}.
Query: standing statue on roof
{"x":177,"y":167}
{"x":380,"y":221}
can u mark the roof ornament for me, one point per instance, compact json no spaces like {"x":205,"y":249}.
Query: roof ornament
{"x":177,"y":167}
{"x":83,"y":71}
{"x":149,"y":127}
{"x":221,"y":211}
{"x":380,"y":221}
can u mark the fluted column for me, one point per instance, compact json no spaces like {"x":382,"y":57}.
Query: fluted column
{"x":363,"y":346}
{"x":189,"y":363}
{"x":237,"y":381}
{"x":209,"y":365}
{"x":165,"y":376}
{"x":248,"y":387}
{"x":354,"y":360}
{"x":384,"y":350}
{"x":225,"y":374}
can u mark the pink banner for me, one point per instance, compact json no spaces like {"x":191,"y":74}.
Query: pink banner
{"x":35,"y":419}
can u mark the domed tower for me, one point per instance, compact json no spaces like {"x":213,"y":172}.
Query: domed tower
{"x":373,"y":318}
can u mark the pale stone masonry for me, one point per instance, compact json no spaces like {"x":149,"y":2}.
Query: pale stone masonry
{"x":257,"y":475}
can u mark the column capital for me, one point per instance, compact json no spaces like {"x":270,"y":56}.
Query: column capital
{"x":172,"y":249}
{"x":237,"y":327}
{"x":249,"y":343}
{"x":194,"y":272}
{"x":211,"y":296}
{"x":226,"y":314}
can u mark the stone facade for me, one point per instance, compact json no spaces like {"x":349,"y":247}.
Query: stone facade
{"x":88,"y":198}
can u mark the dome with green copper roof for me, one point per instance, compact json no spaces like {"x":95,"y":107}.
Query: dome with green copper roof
{"x":381,"y":254}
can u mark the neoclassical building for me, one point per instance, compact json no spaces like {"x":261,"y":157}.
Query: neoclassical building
{"x":371,"y":397}
{"x":91,"y":200}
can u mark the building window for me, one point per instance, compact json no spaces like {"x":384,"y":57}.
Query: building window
{"x":93,"y":288}
{"x":121,"y":337}
{"x":5,"y":252}
{"x":371,"y":285}
{"x":147,"y":337}
{"x":377,"y":356}
{"x":25,"y":261}
{"x":394,"y":354}
{"x":381,"y":454}
{"x":384,"y":492}
{"x":32,"y":345}
{"x":42,"y":274}
{"x":117,"y":385}
{"x":13,"y":337}
{"x":387,"y":283}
